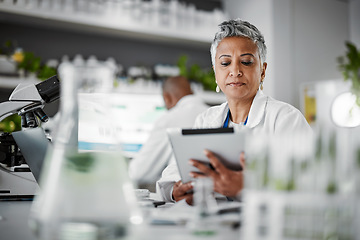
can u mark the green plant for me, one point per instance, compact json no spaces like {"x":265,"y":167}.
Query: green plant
{"x":45,"y":72}
{"x":350,"y":67}
{"x":30,"y":62}
{"x":195,"y":73}
{"x":27,"y":61}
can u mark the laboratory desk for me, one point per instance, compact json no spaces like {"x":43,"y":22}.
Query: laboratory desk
{"x":14,"y":220}
{"x":14,"y":225}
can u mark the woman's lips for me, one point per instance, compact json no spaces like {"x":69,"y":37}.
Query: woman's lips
{"x":235,"y":84}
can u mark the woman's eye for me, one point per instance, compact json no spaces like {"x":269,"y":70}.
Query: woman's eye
{"x":247,"y":63}
{"x":225,"y":63}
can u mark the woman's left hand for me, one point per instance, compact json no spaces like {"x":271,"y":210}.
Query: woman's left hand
{"x":226,"y":182}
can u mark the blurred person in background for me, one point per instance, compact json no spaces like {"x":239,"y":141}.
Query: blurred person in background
{"x":155,"y":154}
{"x":238,"y":54}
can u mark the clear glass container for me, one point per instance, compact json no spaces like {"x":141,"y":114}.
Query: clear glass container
{"x":85,"y":194}
{"x":204,"y":221}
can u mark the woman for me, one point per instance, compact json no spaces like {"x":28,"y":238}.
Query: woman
{"x":238,"y":55}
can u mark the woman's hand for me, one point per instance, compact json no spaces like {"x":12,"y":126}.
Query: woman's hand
{"x":226,"y":182}
{"x":181,"y":191}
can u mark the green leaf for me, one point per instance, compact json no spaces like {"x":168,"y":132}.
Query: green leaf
{"x":182,"y":65}
{"x":195,"y":73}
{"x":350,"y":67}
{"x":34,"y":65}
{"x":46,"y":72}
{"x":331,"y":188}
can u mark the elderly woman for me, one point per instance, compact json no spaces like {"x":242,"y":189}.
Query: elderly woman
{"x":238,"y":55}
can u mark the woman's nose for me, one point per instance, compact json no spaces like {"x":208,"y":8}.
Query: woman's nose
{"x":235,"y":71}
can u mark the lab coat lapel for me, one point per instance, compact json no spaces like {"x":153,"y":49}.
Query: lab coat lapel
{"x":217,"y":118}
{"x":256,"y":113}
{"x":257,"y":109}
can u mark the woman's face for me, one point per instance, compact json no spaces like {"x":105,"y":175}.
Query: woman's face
{"x":238,"y":69}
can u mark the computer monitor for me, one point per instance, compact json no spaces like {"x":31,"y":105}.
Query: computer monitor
{"x":132,"y":114}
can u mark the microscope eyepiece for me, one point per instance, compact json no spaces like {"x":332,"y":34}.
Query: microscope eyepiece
{"x":49,"y":89}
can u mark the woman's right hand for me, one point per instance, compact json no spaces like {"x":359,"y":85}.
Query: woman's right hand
{"x":181,"y":191}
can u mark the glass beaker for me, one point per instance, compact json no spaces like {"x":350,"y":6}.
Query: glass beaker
{"x":85,"y":194}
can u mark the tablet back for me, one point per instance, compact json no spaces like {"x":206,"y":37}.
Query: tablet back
{"x":190,"y":144}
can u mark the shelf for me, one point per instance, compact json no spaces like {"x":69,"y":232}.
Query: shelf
{"x":106,"y":24}
{"x":211,"y":98}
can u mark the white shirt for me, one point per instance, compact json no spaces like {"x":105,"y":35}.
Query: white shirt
{"x":266,"y":116}
{"x":156,"y":153}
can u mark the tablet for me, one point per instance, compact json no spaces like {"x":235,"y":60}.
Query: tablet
{"x":190,"y":144}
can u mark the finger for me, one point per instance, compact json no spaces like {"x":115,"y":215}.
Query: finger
{"x":199,"y":165}
{"x":215,"y":162}
{"x":176,"y":187}
{"x":186,"y":197}
{"x":203,"y":168}
{"x":189,"y":199}
{"x":183,"y":188}
{"x":177,"y":183}
{"x":197,"y":175}
{"x":180,"y":191}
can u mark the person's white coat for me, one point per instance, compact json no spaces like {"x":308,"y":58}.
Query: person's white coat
{"x":266,"y":116}
{"x":156,"y":153}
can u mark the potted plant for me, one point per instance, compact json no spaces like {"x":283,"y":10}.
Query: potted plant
{"x":27,"y":63}
{"x":197,"y":74}
{"x":349,"y":65}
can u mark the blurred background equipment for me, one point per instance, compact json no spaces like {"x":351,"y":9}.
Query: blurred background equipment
{"x":303,"y":187}
{"x":27,"y":101}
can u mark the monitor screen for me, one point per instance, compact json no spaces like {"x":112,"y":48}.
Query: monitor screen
{"x":133,"y":116}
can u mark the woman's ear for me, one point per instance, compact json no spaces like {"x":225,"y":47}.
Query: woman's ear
{"x":263,"y":70}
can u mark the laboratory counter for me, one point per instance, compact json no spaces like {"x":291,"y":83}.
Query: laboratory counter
{"x":169,"y":220}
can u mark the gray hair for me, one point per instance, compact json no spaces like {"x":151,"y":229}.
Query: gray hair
{"x":238,"y":28}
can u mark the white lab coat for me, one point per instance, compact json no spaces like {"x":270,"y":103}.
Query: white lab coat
{"x":266,"y":116}
{"x":156,"y":153}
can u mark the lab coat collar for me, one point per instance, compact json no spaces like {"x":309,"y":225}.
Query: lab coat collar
{"x":257,"y":110}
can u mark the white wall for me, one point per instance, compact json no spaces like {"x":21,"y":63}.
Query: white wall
{"x":259,"y":13}
{"x":283,"y":52}
{"x":354,"y":21}
{"x":320,"y":31}
{"x":304,"y":38}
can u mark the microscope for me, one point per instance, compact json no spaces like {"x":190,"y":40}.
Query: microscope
{"x":27,"y":100}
